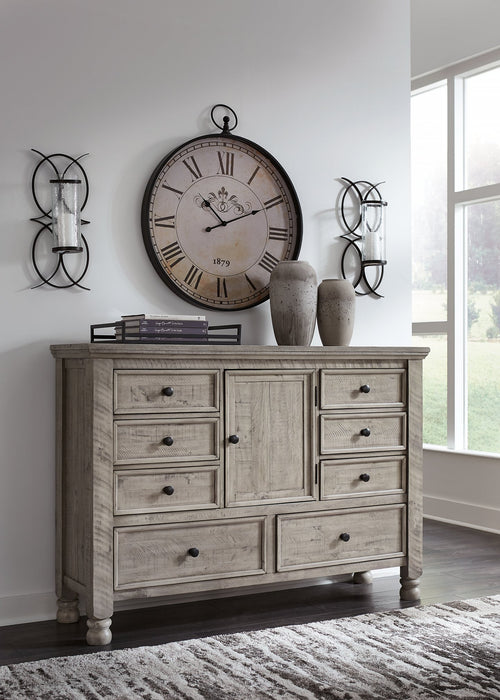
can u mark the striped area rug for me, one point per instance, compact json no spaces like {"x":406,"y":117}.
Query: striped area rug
{"x":438,"y":651}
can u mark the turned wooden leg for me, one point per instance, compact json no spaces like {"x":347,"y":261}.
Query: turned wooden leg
{"x":67,"y":609}
{"x":98,"y":632}
{"x":409,"y":588}
{"x":362,"y":577}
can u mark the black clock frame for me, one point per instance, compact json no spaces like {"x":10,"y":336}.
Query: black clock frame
{"x":146,"y":201}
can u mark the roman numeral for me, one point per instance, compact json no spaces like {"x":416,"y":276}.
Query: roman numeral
{"x":253,"y":175}
{"x":273,"y":202}
{"x":192,"y":167}
{"x":226,"y":164}
{"x":278,"y":234}
{"x":268,"y":261}
{"x":166,"y":221}
{"x":173,"y":253}
{"x":191,"y":278}
{"x":250,"y":283}
{"x":172,"y":189}
{"x":221,"y":287}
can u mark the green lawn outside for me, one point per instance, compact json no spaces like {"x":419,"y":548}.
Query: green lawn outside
{"x":484,"y":396}
{"x":430,"y":305}
{"x":484,"y":393}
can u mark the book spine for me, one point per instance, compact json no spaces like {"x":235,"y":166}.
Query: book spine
{"x":166,"y":339}
{"x":165,"y":325}
{"x":167,"y":332}
{"x":165,"y":317}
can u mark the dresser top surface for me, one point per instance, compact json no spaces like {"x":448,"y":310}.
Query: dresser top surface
{"x":295,"y":352}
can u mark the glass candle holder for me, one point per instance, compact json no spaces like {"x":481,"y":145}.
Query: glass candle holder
{"x":66,"y":216}
{"x":373,"y":231}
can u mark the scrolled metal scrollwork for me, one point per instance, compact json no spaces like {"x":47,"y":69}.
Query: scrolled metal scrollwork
{"x":363,"y":191}
{"x":57,"y":161}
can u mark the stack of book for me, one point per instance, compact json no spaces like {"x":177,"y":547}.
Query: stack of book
{"x":151,"y":328}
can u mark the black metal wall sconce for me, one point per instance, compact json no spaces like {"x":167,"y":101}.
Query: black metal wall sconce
{"x":69,"y":191}
{"x":369,"y":245}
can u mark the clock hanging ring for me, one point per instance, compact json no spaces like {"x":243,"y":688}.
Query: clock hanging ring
{"x":218,"y":214}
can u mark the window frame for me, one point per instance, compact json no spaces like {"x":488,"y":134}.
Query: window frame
{"x":458,"y":198}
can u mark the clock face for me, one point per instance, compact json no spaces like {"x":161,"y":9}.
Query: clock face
{"x":218,"y":215}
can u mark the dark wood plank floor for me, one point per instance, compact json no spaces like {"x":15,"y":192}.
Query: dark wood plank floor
{"x":459,"y":563}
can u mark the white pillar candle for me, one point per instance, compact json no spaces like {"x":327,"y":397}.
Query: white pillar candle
{"x":373,"y":230}
{"x":66,"y":216}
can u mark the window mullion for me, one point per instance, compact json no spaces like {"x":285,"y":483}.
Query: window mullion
{"x":459,"y":340}
{"x":456,"y":267}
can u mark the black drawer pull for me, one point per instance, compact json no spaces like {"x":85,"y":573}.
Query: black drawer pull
{"x":364,"y":477}
{"x":365,"y":389}
{"x":234,"y":439}
{"x":193,"y":552}
{"x":167,"y":391}
{"x":345,"y":537}
{"x":365,"y":432}
{"x":168,"y":441}
{"x":168,"y":490}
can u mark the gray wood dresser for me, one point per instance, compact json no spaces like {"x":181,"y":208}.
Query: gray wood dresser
{"x":188,"y":469}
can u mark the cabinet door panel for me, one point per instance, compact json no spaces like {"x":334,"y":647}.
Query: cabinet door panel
{"x":270,"y":413}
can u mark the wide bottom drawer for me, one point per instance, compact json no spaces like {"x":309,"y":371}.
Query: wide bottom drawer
{"x":156,"y":555}
{"x":337,"y":537}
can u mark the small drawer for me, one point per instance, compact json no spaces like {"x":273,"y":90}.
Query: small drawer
{"x":362,"y":432}
{"x":356,"y":388}
{"x":165,"y":391}
{"x":166,"y":441}
{"x":156,"y":555}
{"x":367,"y":477}
{"x":337,"y":537}
{"x":153,"y":491}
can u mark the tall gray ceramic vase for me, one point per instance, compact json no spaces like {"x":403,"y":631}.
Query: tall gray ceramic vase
{"x":336,"y":310}
{"x":293,"y":294}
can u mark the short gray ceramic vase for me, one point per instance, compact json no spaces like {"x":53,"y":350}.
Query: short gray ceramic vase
{"x":293,"y":294}
{"x":336,"y":310}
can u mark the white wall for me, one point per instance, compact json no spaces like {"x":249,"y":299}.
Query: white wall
{"x":460,"y":488}
{"x":446,"y":31}
{"x":127,"y":81}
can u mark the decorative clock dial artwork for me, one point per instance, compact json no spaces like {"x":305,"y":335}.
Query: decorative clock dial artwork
{"x":218,"y":215}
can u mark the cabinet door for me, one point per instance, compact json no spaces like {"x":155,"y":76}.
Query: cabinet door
{"x":268,"y":441}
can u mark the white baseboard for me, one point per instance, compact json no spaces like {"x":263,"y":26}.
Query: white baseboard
{"x":464,"y":514}
{"x":35,"y":607}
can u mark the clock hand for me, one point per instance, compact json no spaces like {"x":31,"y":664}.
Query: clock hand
{"x":236,"y":218}
{"x":206,"y":203}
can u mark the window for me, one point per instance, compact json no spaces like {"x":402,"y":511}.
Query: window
{"x":456,"y":252}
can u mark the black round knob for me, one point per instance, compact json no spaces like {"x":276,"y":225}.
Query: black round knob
{"x":365,"y":389}
{"x":167,"y":391}
{"x":364,"y":477}
{"x":168,"y":490}
{"x":193,"y":552}
{"x":345,"y":537}
{"x":365,"y":432}
{"x":234,"y":439}
{"x":168,"y":441}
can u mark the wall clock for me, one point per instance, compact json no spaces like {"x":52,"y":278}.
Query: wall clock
{"x":218,"y":214}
